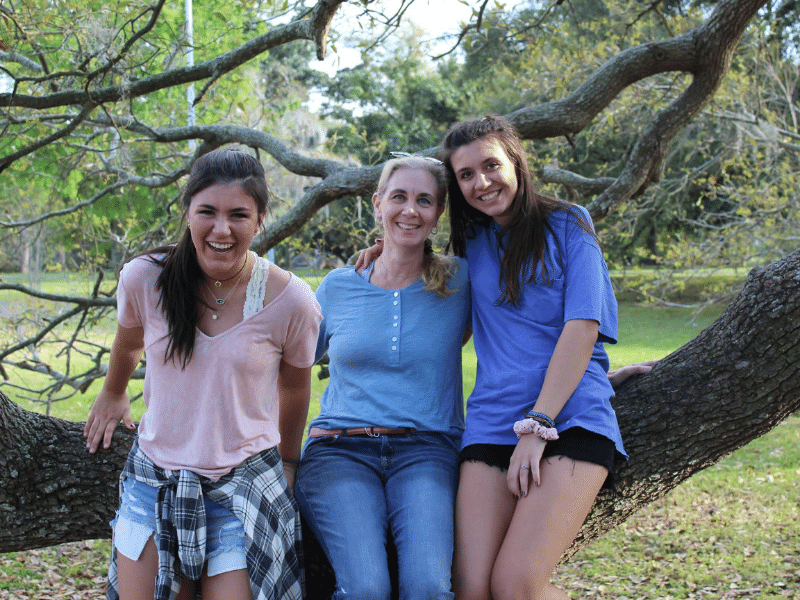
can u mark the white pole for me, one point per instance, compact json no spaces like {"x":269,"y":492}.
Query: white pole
{"x":190,"y":120}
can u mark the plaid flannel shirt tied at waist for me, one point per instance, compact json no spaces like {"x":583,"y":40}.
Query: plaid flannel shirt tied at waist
{"x":255,"y":491}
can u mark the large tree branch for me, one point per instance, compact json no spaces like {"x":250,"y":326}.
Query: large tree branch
{"x":312,"y":29}
{"x":739,"y":378}
{"x":704,"y":52}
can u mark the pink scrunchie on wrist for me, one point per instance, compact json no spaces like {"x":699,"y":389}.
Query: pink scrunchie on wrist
{"x":533,"y":426}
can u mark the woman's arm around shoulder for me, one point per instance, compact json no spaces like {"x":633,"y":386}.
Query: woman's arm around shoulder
{"x":112,"y":404}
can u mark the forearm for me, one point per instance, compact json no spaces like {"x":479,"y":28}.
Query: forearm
{"x":567,"y":365}
{"x":126,"y":353}
{"x":119,"y":372}
{"x":111,"y":404}
{"x":294,"y":387}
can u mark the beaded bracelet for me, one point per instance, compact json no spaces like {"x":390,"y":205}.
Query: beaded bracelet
{"x":533,"y":426}
{"x":290,"y":462}
{"x":542,"y":418}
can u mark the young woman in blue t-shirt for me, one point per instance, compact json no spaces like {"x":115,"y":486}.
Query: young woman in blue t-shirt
{"x":541,"y":437}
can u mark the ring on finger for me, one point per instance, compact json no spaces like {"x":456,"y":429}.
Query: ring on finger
{"x":524,"y":468}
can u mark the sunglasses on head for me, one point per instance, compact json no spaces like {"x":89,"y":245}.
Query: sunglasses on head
{"x":409,"y":155}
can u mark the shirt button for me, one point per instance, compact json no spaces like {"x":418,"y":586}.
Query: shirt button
{"x":395,"y":302}
{"x":394,"y":339}
{"x":396,"y":294}
{"x":396,"y":317}
{"x":394,"y":324}
{"x":394,"y":347}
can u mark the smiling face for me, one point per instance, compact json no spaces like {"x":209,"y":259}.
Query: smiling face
{"x":486,"y":177}
{"x":223,"y":220}
{"x":408,"y":207}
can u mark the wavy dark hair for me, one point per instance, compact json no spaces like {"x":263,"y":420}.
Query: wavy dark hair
{"x":527,"y":242}
{"x":180,"y":280}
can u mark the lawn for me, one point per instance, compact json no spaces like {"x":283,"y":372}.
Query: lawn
{"x":729,"y":532}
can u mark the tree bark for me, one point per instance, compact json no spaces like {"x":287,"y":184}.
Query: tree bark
{"x":734,"y":382}
{"x":51,"y":489}
{"x":731,"y":384}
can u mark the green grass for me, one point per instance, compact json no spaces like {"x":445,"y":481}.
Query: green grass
{"x":731,"y":531}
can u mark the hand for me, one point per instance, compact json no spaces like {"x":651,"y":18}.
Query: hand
{"x":365,"y":257}
{"x":107,"y":411}
{"x":291,"y":475}
{"x":524,"y":465}
{"x":619,"y":376}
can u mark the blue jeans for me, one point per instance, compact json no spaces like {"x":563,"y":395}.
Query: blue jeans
{"x":354,"y":490}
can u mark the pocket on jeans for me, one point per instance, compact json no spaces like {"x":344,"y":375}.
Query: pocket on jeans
{"x":327,"y":440}
{"x":137,"y":503}
{"x":437,"y":439}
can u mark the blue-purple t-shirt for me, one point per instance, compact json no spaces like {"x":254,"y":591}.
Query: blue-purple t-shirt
{"x":514,"y":344}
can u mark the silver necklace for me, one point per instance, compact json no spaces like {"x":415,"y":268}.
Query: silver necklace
{"x":221,"y":301}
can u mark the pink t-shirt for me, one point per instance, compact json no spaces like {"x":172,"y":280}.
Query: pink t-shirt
{"x":223,"y":407}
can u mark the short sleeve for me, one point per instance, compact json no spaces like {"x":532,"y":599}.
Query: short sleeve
{"x":129,"y":301}
{"x":588,"y":291}
{"x":303,"y":326}
{"x":323,"y":339}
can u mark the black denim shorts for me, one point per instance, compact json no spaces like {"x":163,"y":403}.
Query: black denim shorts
{"x":575,"y":443}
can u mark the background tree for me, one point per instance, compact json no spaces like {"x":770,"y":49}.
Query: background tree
{"x":104,"y":99}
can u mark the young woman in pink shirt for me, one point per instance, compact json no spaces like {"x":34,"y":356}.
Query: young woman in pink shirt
{"x":230,"y":341}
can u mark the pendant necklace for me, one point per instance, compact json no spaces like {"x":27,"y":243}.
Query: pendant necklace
{"x":221,"y":301}
{"x":218,"y":282}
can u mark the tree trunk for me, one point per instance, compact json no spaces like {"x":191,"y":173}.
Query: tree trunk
{"x":51,"y":489}
{"x":733,"y":383}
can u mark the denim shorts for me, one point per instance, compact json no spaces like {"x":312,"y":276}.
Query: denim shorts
{"x":136,"y":522}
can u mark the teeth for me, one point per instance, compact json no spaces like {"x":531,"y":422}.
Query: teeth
{"x":220,"y":246}
{"x":491,"y":196}
{"x":404,"y":226}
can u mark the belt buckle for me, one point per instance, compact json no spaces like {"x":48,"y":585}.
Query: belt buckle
{"x":372,"y":435}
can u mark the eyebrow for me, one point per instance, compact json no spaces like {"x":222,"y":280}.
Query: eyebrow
{"x":236,"y":209}
{"x":404,"y":191}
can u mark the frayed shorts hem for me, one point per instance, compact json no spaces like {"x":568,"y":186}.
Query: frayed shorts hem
{"x":135,"y":524}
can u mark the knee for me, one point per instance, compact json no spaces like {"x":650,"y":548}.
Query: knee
{"x":467,"y":588}
{"x":426,"y":588}
{"x":518,"y":586}
{"x":363,"y":590}
{"x":363,"y":582}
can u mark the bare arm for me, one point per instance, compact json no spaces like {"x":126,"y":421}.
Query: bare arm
{"x":618,"y":376}
{"x":467,"y":335}
{"x":564,"y":372}
{"x":112,"y":404}
{"x":294,"y":388}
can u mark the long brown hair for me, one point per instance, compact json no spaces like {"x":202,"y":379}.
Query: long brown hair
{"x":436,"y":269}
{"x":180,"y":279}
{"x":527,"y":242}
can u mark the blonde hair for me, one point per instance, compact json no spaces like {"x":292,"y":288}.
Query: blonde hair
{"x":437,"y":269}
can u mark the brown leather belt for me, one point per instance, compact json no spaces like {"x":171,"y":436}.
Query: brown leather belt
{"x":316,"y":432}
